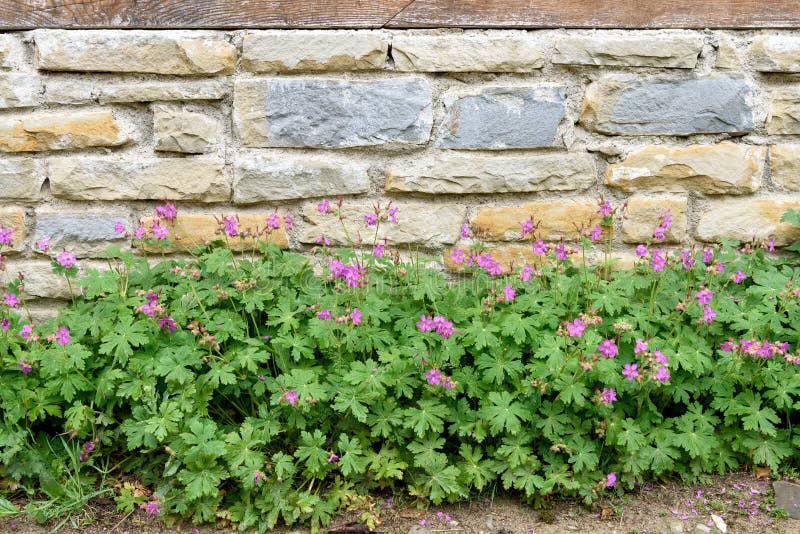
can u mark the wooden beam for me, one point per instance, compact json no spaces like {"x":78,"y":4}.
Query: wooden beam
{"x":599,"y":14}
{"x":231,"y":14}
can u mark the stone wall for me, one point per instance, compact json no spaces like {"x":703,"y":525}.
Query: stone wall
{"x":488,"y":126}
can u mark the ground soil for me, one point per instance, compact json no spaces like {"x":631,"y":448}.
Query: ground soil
{"x":743,"y":501}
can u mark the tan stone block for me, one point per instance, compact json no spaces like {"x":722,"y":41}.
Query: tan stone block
{"x":469,"y":51}
{"x":21,"y":179}
{"x":93,"y":178}
{"x":20,"y":90}
{"x":191,"y":230}
{"x":776,"y":53}
{"x":556,"y":220}
{"x":40,"y":281}
{"x":673,"y":49}
{"x":712,"y":169}
{"x":428,"y":225}
{"x":644,"y":215}
{"x":744,"y":220}
{"x":177,"y":130}
{"x":476,"y":173}
{"x":784,"y":112}
{"x":162,"y":91}
{"x":60,"y":131}
{"x":13,"y":219}
{"x":313,"y":50}
{"x":133,"y":51}
{"x":785,"y":165}
{"x":727,"y":56}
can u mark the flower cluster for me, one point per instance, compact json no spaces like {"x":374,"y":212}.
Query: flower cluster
{"x":666,"y":223}
{"x":760,"y":349}
{"x":439,"y":324}
{"x":436,"y":378}
{"x":152,"y":308}
{"x":351,"y":274}
{"x":87,"y":448}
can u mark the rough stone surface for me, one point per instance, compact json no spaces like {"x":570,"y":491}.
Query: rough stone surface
{"x":162,"y":91}
{"x":21,"y":179}
{"x":70,"y":92}
{"x":744,"y":220}
{"x":727,"y":56}
{"x":297,"y":112}
{"x":502,"y":118}
{"x":629,"y":49}
{"x":644,"y":215}
{"x":711,"y":169}
{"x":784,"y":112}
{"x":476,"y":173}
{"x":625,"y":105}
{"x":785,"y":165}
{"x":191,"y":230}
{"x":257,"y":179}
{"x":9,"y":47}
{"x":60,"y":131}
{"x":787,"y":497}
{"x":496,"y":51}
{"x":776,"y":53}
{"x":177,"y":130}
{"x":195,"y":179}
{"x":556,"y":220}
{"x":86,"y":234}
{"x":427,"y":225}
{"x":133,"y":51}
{"x":40,"y":281}
{"x":13,"y":218}
{"x":313,"y":50}
{"x":20,"y":90}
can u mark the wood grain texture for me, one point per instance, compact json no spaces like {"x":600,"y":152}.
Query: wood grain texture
{"x":28,"y":14}
{"x":599,"y":14}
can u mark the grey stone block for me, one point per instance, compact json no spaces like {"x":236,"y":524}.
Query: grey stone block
{"x":294,"y":112}
{"x":502,"y":118}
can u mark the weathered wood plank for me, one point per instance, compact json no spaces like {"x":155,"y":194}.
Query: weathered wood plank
{"x":599,"y":14}
{"x":27,"y":14}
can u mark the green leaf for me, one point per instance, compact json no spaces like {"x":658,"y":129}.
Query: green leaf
{"x":503,"y":412}
{"x":121,"y":340}
{"x":351,"y":458}
{"x":428,"y":415}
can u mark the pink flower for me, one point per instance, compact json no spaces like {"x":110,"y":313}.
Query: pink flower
{"x":119,"y":228}
{"x":291,"y":397}
{"x":708,"y":255}
{"x":139,"y":234}
{"x":333,"y":458}
{"x":595,"y":233}
{"x":527,"y":227}
{"x":160,"y":231}
{"x":5,"y":324}
{"x":658,"y":261}
{"x":355,"y":316}
{"x":561,"y":252}
{"x":288,"y":221}
{"x":465,"y":233}
{"x":24,"y":366}
{"x":392,"y":212}
{"x":167,"y":323}
{"x":708,"y":315}
{"x":167,"y":211}
{"x":273,"y":221}
{"x":44,"y":244}
{"x":575,"y":328}
{"x":434,"y":377}
{"x":509,"y":292}
{"x":377,"y":250}
{"x":457,"y":255}
{"x":5,"y":235}
{"x":151,"y":507}
{"x":540,"y":248}
{"x":230,"y":226}
{"x":423,"y":522}
{"x":371,"y":219}
{"x":26,"y":331}
{"x":641,"y":346}
{"x":323,"y":206}
{"x":11,"y":300}
{"x":526,"y":273}
{"x":323,"y":315}
{"x":66,"y":259}
{"x":607,"y":348}
{"x":611,"y":480}
{"x":630,"y":371}
{"x":641,"y":251}
{"x":662,"y":374}
{"x":608,"y":395}
{"x":771,"y":245}
{"x":703,"y":296}
{"x":739,"y":277}
{"x":62,"y":336}
{"x":660,"y":358}
{"x":605,"y":209}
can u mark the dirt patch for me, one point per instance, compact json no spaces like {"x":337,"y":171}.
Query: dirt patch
{"x":742,"y":501}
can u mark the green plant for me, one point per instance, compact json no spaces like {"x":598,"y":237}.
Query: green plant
{"x":242,"y":385}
